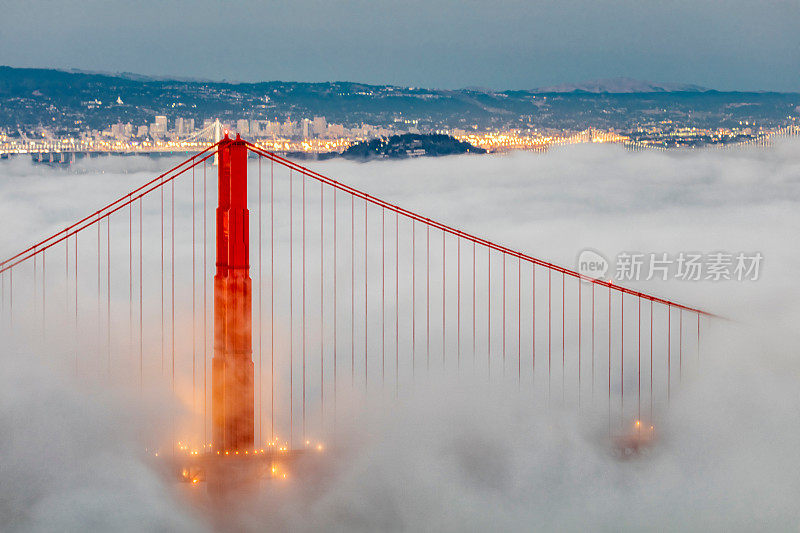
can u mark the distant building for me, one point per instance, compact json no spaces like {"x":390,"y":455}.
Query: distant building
{"x":158,"y":129}
{"x":320,"y":125}
{"x":184,"y":126}
{"x":335,"y":130}
{"x":273,"y":128}
{"x":243,"y":127}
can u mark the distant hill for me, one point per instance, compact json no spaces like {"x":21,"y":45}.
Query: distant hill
{"x":409,"y":145}
{"x":622,"y":85}
{"x":49,"y":102}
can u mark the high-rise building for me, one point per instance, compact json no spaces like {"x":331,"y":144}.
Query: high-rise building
{"x":273,"y":128}
{"x":243,"y":127}
{"x":158,"y":128}
{"x":320,"y":125}
{"x":335,"y":130}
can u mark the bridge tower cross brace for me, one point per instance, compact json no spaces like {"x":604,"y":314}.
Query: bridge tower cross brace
{"x":232,"y":396}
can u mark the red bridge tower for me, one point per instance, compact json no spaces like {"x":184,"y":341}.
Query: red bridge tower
{"x":232,"y":364}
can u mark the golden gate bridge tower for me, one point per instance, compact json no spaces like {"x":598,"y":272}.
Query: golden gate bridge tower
{"x":233,"y":421}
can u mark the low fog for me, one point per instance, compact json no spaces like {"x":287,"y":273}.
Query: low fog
{"x":465,"y":456}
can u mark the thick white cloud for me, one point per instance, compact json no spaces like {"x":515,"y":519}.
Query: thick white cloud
{"x":474,"y":457}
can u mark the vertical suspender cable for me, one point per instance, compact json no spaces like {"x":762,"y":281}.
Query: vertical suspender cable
{"x":651,"y":361}
{"x":680,"y":345}
{"x":533,"y":325}
{"x":698,"y":338}
{"x":639,"y":360}
{"x":303,"y":296}
{"x":36,"y":289}
{"x":194,"y":311}
{"x":458,"y":303}
{"x":580,"y":337}
{"x":99,"y":290}
{"x":108,"y":293}
{"x":504,"y":314}
{"x":669,"y":351}
{"x":66,"y":280}
{"x":413,"y":297}
{"x":77,"y":335}
{"x":161,"y":189}
{"x":549,"y":332}
{"x":130,"y":275}
{"x":366,"y":293}
{"x":489,"y":314}
{"x":272,"y":299}
{"x":44,"y":294}
{"x":352,"y":291}
{"x":335,"y":307}
{"x":260,"y":319}
{"x":519,"y":322}
{"x":322,"y":304}
{"x":291,"y":312}
{"x":141,"y":317}
{"x":609,"y":360}
{"x":396,"y":304}
{"x":383,"y":295}
{"x":205,"y":308}
{"x":172,"y":302}
{"x":593,"y":342}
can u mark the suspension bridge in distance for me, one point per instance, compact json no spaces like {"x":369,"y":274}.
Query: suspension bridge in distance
{"x":319,"y":290}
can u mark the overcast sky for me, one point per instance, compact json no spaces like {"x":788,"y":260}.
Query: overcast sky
{"x":724,"y":44}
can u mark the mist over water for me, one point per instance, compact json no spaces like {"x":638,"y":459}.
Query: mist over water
{"x":466,"y":456}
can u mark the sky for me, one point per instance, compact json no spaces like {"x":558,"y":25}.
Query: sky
{"x":508,"y":44}
{"x":473,"y":456}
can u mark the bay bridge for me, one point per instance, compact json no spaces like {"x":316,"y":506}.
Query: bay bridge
{"x":321,"y":290}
